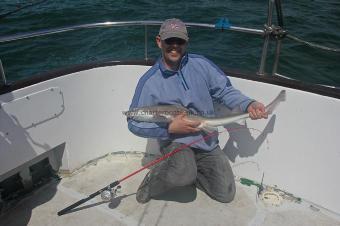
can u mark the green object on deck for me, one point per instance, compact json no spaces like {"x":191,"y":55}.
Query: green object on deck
{"x":249,"y":182}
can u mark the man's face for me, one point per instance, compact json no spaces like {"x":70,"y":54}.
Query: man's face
{"x":172,"y":50}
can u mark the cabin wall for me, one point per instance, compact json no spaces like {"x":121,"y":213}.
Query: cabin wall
{"x":78,"y":117}
{"x":83,"y":111}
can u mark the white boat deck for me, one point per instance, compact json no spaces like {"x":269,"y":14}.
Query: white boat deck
{"x":186,"y":206}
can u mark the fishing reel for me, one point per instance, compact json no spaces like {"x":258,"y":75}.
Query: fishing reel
{"x":109,"y":193}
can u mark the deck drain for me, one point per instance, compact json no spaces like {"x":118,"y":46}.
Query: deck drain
{"x":272,"y":198}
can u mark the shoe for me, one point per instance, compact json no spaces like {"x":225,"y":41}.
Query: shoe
{"x":143,"y":192}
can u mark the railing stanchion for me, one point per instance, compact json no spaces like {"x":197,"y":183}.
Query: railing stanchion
{"x":277,"y":56}
{"x":266,"y":37}
{"x":146,"y":42}
{"x":3,"y":81}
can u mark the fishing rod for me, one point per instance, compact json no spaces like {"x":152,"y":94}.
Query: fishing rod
{"x":107,"y":192}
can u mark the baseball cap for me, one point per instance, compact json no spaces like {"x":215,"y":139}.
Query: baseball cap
{"x":172,"y":28}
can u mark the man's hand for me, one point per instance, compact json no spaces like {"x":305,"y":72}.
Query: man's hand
{"x":257,"y":110}
{"x":180,"y":125}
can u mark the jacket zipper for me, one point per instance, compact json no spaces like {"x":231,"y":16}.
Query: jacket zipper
{"x":184,"y":83}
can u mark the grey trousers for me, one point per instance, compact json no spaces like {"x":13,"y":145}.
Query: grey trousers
{"x":209,"y":171}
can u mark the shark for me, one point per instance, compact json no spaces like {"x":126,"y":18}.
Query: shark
{"x":166,"y":113}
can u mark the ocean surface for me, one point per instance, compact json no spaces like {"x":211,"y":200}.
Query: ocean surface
{"x":312,"y":20}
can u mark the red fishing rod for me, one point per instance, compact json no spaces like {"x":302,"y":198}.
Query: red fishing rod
{"x":117,"y":182}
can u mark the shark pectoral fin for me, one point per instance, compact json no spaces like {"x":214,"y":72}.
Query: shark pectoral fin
{"x":208,"y":129}
{"x":242,"y":122}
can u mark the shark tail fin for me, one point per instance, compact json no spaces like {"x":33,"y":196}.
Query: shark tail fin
{"x":280,"y":98}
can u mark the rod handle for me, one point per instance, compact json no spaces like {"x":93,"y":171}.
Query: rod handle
{"x":74,"y":205}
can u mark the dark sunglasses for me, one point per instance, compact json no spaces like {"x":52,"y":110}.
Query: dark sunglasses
{"x":172,"y":41}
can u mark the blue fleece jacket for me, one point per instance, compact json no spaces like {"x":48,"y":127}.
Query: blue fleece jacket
{"x":196,"y":85}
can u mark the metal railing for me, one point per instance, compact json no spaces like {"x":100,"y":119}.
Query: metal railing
{"x":3,"y":81}
{"x":45,"y":32}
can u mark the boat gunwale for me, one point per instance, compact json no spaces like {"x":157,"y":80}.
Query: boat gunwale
{"x":274,"y":80}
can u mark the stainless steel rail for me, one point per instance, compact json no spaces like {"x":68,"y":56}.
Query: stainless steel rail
{"x":45,"y":32}
{"x":313,"y":45}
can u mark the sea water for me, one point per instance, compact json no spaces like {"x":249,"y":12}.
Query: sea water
{"x":315,"y":21}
